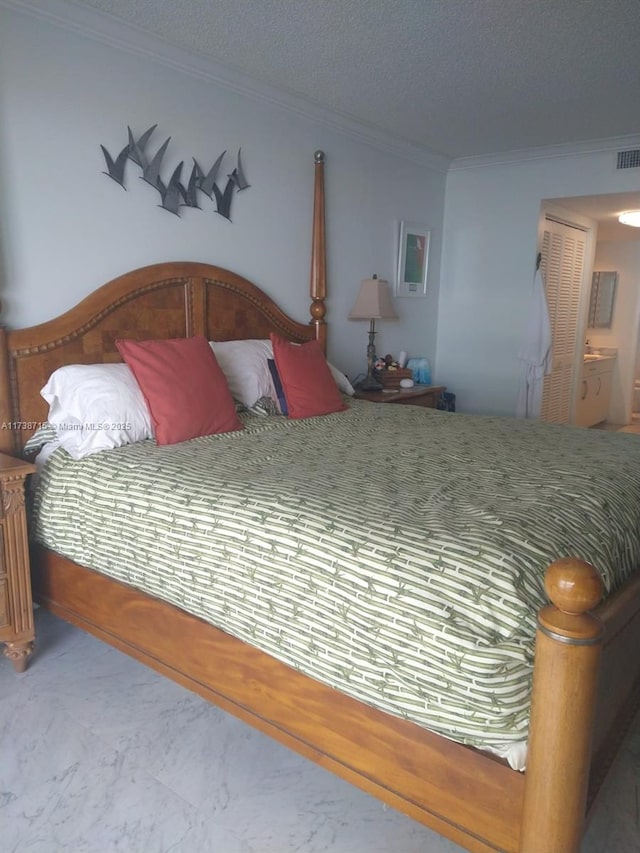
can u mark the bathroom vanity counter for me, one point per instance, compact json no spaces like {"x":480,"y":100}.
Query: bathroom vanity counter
{"x":592,"y":406}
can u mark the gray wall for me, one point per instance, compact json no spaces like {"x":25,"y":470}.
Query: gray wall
{"x":492,"y":212}
{"x":66,"y":228}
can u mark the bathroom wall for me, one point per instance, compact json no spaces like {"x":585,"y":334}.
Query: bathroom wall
{"x":624,"y":257}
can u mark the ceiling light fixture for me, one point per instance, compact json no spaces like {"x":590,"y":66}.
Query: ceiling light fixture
{"x":630,"y":217}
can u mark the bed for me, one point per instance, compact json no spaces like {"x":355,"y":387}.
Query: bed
{"x":585,"y":684}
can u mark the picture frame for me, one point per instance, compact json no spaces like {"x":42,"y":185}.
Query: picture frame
{"x":413,"y":259}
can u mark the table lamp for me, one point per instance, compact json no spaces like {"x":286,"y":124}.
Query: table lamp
{"x":373,"y":302}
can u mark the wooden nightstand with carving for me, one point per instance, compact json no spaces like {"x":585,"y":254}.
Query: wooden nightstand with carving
{"x":426,"y":396}
{"x":16,"y":609}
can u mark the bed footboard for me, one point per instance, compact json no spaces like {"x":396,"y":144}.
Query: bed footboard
{"x":468,"y":797}
{"x":568,"y":646}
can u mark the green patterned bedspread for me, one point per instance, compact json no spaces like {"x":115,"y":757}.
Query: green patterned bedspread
{"x":393,"y":552}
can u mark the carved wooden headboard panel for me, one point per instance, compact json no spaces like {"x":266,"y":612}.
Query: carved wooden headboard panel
{"x":170,"y":300}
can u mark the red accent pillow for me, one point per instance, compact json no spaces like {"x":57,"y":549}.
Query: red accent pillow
{"x":184,"y":387}
{"x":309,"y":388}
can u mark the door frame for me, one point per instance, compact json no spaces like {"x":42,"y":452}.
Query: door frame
{"x":556,"y":213}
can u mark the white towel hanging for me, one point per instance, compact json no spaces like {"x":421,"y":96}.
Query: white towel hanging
{"x":535,"y":352}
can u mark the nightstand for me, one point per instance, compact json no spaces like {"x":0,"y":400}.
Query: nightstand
{"x":16,"y":609}
{"x":420,"y":395}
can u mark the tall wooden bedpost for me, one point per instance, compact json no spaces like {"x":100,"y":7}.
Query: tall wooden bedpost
{"x":318,"y":285}
{"x":565,"y":675}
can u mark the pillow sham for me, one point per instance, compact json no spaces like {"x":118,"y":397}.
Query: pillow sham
{"x":185,"y":389}
{"x":309,"y":387}
{"x":245,"y":365}
{"x":277,"y":384}
{"x":96,"y":407}
{"x":341,"y":381}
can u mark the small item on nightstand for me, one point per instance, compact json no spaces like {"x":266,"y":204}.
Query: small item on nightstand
{"x":393,"y":376}
{"x":379,"y":364}
{"x":406,"y":383}
{"x":389,"y":373}
{"x":420,"y":370}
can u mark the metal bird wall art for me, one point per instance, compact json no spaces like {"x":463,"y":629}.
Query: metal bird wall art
{"x":223,"y":199}
{"x":151,"y":169}
{"x":237,"y":176}
{"x":116,"y":167}
{"x":174,"y":195}
{"x":136,"y":147}
{"x":190,"y":194}
{"x":207,"y":181}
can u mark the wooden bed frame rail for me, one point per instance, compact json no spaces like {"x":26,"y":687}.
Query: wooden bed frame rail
{"x":468,"y":796}
{"x":465,"y":795}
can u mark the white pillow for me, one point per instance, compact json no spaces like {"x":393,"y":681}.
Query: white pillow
{"x":96,"y":407}
{"x":341,"y":380}
{"x":244,"y":363}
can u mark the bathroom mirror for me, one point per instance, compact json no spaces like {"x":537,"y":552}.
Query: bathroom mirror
{"x":603,"y":292}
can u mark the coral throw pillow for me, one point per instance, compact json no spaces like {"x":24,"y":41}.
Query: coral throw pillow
{"x":186,"y":392}
{"x":309,"y":388}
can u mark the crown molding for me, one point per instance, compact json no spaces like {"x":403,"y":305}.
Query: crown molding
{"x":525,"y":155}
{"x":113,"y":32}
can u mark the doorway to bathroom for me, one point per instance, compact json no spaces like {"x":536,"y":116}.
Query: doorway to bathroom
{"x":616,"y":248}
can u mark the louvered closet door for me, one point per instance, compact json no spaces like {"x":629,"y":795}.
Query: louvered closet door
{"x":563,"y":250}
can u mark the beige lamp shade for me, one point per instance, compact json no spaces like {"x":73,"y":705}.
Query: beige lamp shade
{"x":373,"y":301}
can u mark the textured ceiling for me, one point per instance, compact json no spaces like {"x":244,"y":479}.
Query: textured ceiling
{"x":605,"y":209}
{"x":458,"y":77}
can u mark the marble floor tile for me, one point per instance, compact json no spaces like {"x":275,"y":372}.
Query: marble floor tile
{"x":38,"y":742}
{"x":615,"y":824}
{"x":99,"y":754}
{"x":104,"y":803}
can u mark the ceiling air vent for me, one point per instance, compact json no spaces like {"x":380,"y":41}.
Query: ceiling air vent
{"x":629,"y":159}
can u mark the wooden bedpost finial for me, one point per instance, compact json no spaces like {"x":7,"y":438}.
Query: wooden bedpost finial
{"x":573,"y":585}
{"x":575,"y":588}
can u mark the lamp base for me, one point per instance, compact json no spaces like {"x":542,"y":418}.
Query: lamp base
{"x":369,"y":384}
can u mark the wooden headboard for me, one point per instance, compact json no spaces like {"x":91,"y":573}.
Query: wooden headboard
{"x":168,"y":300}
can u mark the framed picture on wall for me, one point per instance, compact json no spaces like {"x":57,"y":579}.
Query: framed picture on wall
{"x":413,"y":260}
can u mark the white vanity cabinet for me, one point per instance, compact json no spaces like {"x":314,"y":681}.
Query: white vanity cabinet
{"x":594,"y":393}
